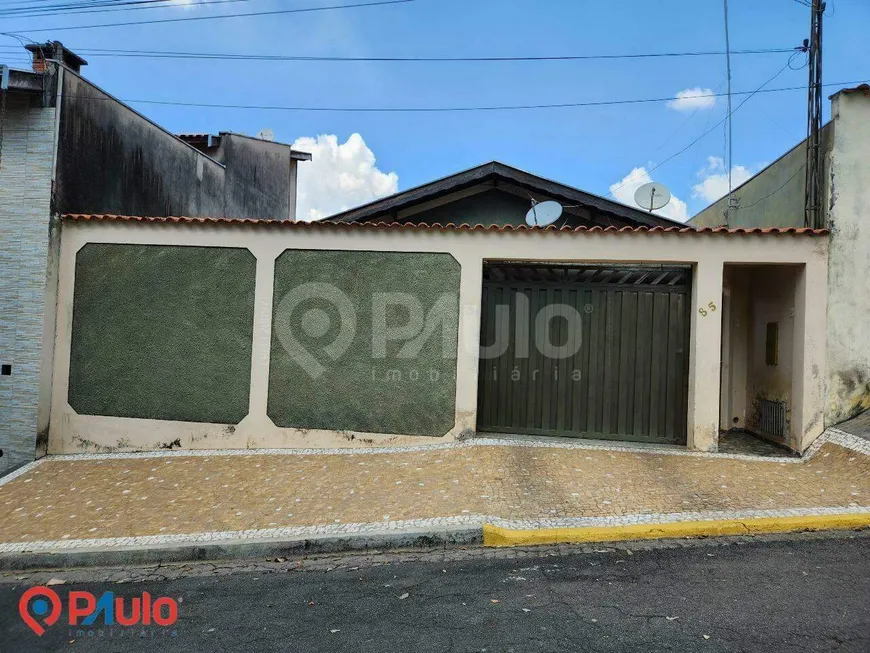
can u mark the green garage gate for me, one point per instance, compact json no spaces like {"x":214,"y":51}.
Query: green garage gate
{"x":586,"y":351}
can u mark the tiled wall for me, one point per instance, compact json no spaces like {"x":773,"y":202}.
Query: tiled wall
{"x":25,"y":191}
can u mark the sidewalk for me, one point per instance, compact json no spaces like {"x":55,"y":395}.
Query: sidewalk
{"x":90,"y":502}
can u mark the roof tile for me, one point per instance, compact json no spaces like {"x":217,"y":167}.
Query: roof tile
{"x":328,"y":224}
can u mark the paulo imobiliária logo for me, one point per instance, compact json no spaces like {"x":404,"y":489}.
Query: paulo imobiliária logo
{"x":41,"y":607}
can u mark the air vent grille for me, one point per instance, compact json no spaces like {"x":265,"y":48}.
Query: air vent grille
{"x":772,"y":417}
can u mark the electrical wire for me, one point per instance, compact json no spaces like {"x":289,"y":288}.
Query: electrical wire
{"x":771,"y":194}
{"x":275,"y":12}
{"x":104,"y":7}
{"x":749,"y":95}
{"x":506,"y":107}
{"x":462,"y":109}
{"x":227,"y":56}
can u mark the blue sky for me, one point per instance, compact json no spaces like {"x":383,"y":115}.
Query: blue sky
{"x":588,"y":147}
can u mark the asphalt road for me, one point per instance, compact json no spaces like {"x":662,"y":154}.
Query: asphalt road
{"x":806,"y":593}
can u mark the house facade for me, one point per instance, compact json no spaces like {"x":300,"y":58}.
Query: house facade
{"x":341,"y":334}
{"x":421,"y":318}
{"x":775,"y":198}
{"x":65,"y":146}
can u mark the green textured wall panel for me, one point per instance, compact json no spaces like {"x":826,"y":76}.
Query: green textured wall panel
{"x":326,"y":370}
{"x":162,"y":332}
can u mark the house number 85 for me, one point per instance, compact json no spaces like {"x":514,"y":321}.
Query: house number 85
{"x":703,"y":311}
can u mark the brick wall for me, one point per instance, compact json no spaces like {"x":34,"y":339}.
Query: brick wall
{"x":25,"y":191}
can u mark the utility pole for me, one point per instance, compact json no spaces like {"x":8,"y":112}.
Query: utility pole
{"x":813,"y":217}
{"x":728,"y":154}
{"x":4,"y":91}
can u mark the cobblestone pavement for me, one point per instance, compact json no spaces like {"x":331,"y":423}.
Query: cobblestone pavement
{"x":99,"y":497}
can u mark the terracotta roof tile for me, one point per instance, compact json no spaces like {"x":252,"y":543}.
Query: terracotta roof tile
{"x":328,"y":224}
{"x":861,"y":88}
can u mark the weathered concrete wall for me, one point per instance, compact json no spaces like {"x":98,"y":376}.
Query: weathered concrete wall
{"x":735,"y":347}
{"x":25,"y":192}
{"x":260,"y":178}
{"x":774,"y":197}
{"x":113,"y":160}
{"x":849,"y":267}
{"x":771,"y":291}
{"x":757,"y":295}
{"x":95,"y":155}
{"x":708,"y":254}
{"x":845,"y":143}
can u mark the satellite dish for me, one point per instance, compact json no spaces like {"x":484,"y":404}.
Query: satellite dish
{"x":652,"y":196}
{"x":266,"y":135}
{"x":544,"y":213}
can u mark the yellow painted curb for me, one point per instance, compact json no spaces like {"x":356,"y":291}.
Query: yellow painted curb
{"x":498,"y":536}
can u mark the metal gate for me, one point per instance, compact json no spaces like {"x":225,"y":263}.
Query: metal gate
{"x":586,"y":351}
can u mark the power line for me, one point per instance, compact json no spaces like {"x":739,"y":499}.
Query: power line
{"x":509,"y":107}
{"x":276,"y":12}
{"x":749,"y":95}
{"x":228,"y":56}
{"x":45,"y":7}
{"x":464,"y":109}
{"x":686,"y":121}
{"x":771,"y":194}
{"x":101,"y":7}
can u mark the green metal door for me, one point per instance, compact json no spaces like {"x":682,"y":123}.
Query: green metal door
{"x":586,"y":351}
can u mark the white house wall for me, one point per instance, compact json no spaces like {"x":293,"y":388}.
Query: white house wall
{"x":849,"y":269}
{"x":708,"y":253}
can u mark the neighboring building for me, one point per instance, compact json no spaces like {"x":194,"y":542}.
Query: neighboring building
{"x":775,"y":198}
{"x":68,"y":146}
{"x":498,"y":194}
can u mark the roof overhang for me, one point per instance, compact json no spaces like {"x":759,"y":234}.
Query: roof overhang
{"x":23,"y":81}
{"x":864,"y":89}
{"x":214,"y":140}
{"x":495,"y":173}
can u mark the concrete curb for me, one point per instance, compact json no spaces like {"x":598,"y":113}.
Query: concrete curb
{"x":488,"y":535}
{"x":240,"y":550}
{"x":497,"y":536}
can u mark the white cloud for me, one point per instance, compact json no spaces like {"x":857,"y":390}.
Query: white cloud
{"x":624,"y":190}
{"x":693,"y":98}
{"x":714,"y":179}
{"x":340,"y":176}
